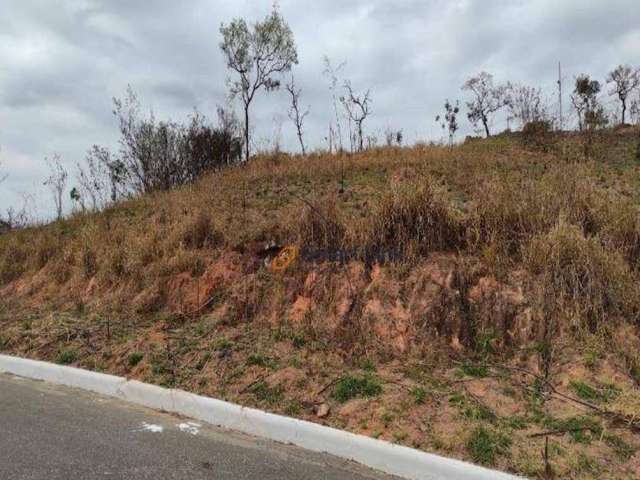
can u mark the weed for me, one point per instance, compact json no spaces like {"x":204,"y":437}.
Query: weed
{"x":485,"y":445}
{"x":386,"y":418}
{"x":66,"y":357}
{"x":592,"y":394}
{"x":223,"y":345}
{"x":293,"y":409}
{"x":516,"y":422}
{"x":134,"y":358}
{"x":349,"y":387}
{"x":269,"y":395}
{"x":203,"y":361}
{"x":474,"y":370}
{"x":260,"y":361}
{"x":582,"y":429}
{"x":419,"y":394}
{"x":368,"y":366}
{"x":619,"y":446}
{"x":298,"y":341}
{"x":399,"y":436}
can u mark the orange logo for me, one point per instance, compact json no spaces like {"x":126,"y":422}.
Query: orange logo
{"x":285,"y":258}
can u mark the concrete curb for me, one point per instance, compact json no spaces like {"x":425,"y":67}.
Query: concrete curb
{"x":389,"y":458}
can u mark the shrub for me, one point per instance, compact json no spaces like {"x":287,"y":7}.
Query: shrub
{"x":134,"y":359}
{"x":414,"y":215}
{"x":583,"y":276}
{"x":537,"y":135}
{"x":162,"y":155}
{"x":199,"y":232}
{"x":320,"y":225}
{"x":511,"y":209}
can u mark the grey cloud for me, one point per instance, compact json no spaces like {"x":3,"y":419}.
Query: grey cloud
{"x":61,"y":62}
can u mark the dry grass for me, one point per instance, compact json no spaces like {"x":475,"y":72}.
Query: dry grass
{"x":445,"y":253}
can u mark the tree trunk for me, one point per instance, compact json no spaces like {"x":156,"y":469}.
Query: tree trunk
{"x":624,"y":110}
{"x":485,"y":123}
{"x":301,"y":142}
{"x":246,"y":132}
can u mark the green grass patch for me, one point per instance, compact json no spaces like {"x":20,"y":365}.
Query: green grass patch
{"x":593,"y":394}
{"x":349,"y":387}
{"x":419,"y":394}
{"x":134,"y":358}
{"x":66,"y":357}
{"x":485,"y":445}
{"x":622,"y":449}
{"x":474,"y":370}
{"x":260,"y":361}
{"x":582,"y":429}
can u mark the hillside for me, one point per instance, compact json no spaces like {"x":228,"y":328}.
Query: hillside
{"x":476,"y":301}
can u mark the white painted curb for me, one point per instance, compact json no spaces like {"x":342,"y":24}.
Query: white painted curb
{"x":384,"y":456}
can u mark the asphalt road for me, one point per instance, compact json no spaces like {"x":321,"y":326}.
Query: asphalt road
{"x":55,"y":433}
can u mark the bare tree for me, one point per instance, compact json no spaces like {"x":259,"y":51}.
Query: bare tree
{"x":57,"y":182}
{"x":102,"y":179}
{"x":487,"y":99}
{"x":295,"y":114}
{"x":449,"y":121}
{"x":634,"y":110}
{"x":624,"y":80}
{"x":257,"y":55}
{"x":3,"y":176}
{"x":335,"y":136}
{"x":357,"y":108}
{"x":526,"y":104}
{"x":393,"y":136}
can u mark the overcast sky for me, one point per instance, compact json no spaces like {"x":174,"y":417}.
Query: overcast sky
{"x":62,"y":61}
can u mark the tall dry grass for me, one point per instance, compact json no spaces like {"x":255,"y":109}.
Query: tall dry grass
{"x":492,"y":199}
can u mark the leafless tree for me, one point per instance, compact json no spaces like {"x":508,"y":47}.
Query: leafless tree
{"x":159,"y":155}
{"x":101,"y":179}
{"x":357,"y":108}
{"x":634,"y":110}
{"x":331,"y":72}
{"x":295,"y":114}
{"x":624,"y":80}
{"x":392,"y":136}
{"x":526,"y":104}
{"x":3,"y":176}
{"x":258,"y":55}
{"x":57,"y":182}
{"x":487,"y":99}
{"x":19,"y":217}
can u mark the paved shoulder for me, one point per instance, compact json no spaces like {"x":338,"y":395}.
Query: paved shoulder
{"x":55,"y":433}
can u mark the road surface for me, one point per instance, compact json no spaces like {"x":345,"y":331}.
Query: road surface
{"x":55,"y":433}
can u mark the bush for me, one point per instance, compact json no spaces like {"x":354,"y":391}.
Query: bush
{"x":414,"y":215}
{"x":320,"y":225}
{"x":582,"y":276}
{"x":512,"y":209}
{"x":537,"y":135}
{"x":162,"y":155}
{"x":134,"y":359}
{"x":200,"y":232}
